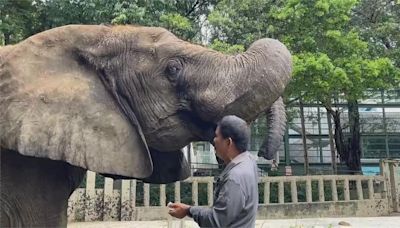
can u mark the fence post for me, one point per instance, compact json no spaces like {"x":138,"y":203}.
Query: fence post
{"x":133,"y":198}
{"x":281,"y":191}
{"x":266,"y":192}
{"x":385,"y":173}
{"x":90,"y":196}
{"x":360,"y":195}
{"x":294,"y":191}
{"x":395,"y":183}
{"x":125,"y":201}
{"x":163,"y":197}
{"x":210,"y":196}
{"x":107,"y":198}
{"x":146,"y":194}
{"x":72,"y":201}
{"x":334,"y":190}
{"x":195,"y":192}
{"x":308,"y":190}
{"x":370,"y":189}
{"x":346,"y":189}
{"x":177,"y":192}
{"x":321,"y":190}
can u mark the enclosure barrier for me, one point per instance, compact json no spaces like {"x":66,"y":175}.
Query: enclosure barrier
{"x":280,"y":196}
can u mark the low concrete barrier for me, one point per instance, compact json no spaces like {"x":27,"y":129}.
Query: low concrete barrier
{"x":282,"y":197}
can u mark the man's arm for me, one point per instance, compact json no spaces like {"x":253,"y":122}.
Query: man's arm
{"x":227,"y":207}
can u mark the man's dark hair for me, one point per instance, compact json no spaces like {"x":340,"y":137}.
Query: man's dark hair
{"x":237,"y":129}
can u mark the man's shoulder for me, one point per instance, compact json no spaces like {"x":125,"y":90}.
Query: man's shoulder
{"x":246,"y":161}
{"x":245,"y":157}
{"x":243,"y":170}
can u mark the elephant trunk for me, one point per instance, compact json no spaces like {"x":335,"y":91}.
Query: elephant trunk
{"x":276,"y":124}
{"x":246,"y":84}
{"x":264,"y":70}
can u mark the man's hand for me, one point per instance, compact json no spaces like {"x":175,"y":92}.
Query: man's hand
{"x":178,"y":210}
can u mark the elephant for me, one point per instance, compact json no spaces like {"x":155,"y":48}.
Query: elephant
{"x":121,"y":101}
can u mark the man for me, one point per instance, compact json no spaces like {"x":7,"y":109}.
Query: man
{"x":236,"y":192}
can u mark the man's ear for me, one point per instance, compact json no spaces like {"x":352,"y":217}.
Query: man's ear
{"x":230,"y":141}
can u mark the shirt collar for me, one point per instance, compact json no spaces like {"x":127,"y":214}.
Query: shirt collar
{"x":240,"y":157}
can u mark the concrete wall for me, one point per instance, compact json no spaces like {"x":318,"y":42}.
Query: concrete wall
{"x":324,"y":209}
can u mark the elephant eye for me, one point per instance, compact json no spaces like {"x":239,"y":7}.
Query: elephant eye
{"x":173,"y":69}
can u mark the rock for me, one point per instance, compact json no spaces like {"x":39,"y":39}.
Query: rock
{"x":344,"y":224}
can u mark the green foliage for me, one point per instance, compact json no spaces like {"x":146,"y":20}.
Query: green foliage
{"x":340,"y":48}
{"x":127,"y":13}
{"x":23,"y":18}
{"x":330,"y":56}
{"x":15,"y":20}
{"x":242,"y":21}
{"x":352,"y":76}
{"x":378,"y":22}
{"x":177,"y":24}
{"x":224,"y":47}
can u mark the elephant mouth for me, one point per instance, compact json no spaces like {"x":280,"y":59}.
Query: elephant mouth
{"x":202,"y":130}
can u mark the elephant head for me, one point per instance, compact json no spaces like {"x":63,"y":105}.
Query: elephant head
{"x":124,"y":100}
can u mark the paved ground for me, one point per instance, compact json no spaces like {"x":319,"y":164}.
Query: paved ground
{"x":353,"y":222}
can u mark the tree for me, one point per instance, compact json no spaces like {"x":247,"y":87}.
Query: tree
{"x":331,"y":59}
{"x":378,"y":22}
{"x":24,"y":18}
{"x":16,"y":20}
{"x":242,"y":21}
{"x":339,"y":66}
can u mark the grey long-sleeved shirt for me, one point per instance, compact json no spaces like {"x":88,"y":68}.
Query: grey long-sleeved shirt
{"x":235,"y":196}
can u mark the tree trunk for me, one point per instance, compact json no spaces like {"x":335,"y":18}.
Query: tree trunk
{"x":340,"y":144}
{"x":349,"y":151}
{"x":331,"y":144}
{"x":6,"y":38}
{"x":354,"y":156}
{"x":303,"y":135}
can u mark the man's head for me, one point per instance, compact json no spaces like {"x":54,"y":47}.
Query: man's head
{"x":231,"y":137}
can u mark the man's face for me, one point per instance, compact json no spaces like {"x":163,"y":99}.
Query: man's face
{"x":221,"y":145}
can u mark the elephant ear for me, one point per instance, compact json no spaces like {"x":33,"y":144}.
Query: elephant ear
{"x":54,"y":105}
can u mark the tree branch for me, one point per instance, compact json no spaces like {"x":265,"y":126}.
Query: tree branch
{"x":193,"y":8}
{"x":292,"y":101}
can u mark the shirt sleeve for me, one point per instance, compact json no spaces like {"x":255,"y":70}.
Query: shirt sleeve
{"x":227,"y":207}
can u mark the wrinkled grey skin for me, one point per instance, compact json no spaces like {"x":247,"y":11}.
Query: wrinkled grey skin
{"x":121,"y":101}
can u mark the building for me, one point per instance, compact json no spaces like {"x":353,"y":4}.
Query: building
{"x":379,"y":126}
